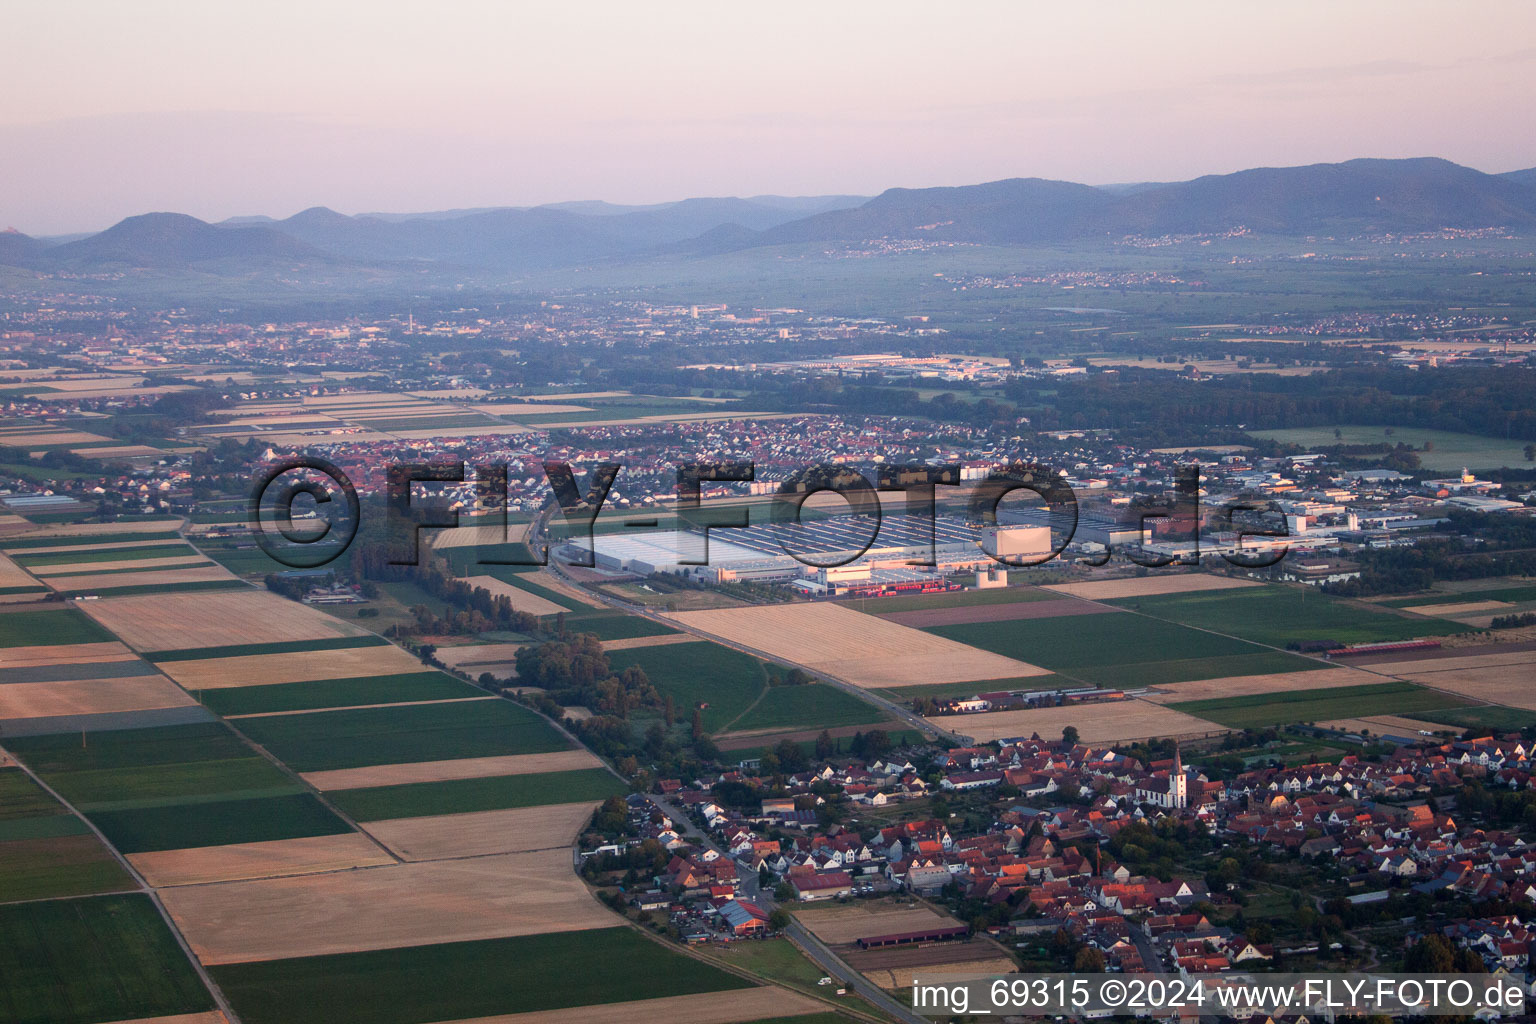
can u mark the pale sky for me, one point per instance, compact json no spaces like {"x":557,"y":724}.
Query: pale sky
{"x":112,"y":108}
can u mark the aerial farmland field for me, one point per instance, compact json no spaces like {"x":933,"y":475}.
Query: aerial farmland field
{"x":103,"y":958}
{"x":488,"y":793}
{"x":1281,"y":615}
{"x":422,"y":984}
{"x":1258,"y":711}
{"x":327,"y":740}
{"x":354,"y":691}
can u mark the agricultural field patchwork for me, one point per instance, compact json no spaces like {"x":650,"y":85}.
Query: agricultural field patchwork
{"x":46,"y":852}
{"x":172,"y":787}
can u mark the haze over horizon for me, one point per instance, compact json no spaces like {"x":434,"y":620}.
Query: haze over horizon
{"x":219,"y":112}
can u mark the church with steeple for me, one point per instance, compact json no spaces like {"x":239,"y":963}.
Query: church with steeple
{"x":1170,"y":790}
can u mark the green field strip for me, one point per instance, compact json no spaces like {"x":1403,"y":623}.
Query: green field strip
{"x":85,"y":539}
{"x":129,"y":748}
{"x":1494,"y":717}
{"x":1262,"y":710}
{"x":336,"y":643}
{"x":138,"y":554}
{"x":85,"y":961}
{"x":814,"y":705}
{"x":50,"y":868}
{"x":614,"y":626}
{"x":133,"y":569}
{"x":48,"y":826}
{"x":1278,"y":616}
{"x":170,"y":588}
{"x":462,"y":796}
{"x":459,"y":980}
{"x":218,"y":823}
{"x":51,"y":628}
{"x":336,"y":693}
{"x":362,"y":737}
{"x":700,"y":672}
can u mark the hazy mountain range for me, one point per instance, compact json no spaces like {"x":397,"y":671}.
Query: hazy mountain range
{"x":1348,"y":198}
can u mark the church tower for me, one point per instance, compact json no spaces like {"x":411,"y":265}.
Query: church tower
{"x":1178,"y":785}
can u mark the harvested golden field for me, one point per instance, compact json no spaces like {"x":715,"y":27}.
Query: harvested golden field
{"x":426,"y":433}
{"x":67,"y":654}
{"x":836,"y":925}
{"x":90,"y":697}
{"x":1148,"y":586}
{"x":385,"y":907}
{"x":475,"y":536}
{"x":121,"y":545}
{"x":1495,"y":678}
{"x":1279,"y":682}
{"x":521,"y":599}
{"x":125,"y":563}
{"x":861,"y":649}
{"x":273,"y":859}
{"x":648,"y":641}
{"x":204,"y":574}
{"x":480,"y":833}
{"x":740,"y":1004}
{"x":527,"y":408}
{"x":447,"y":771}
{"x":549,"y":581}
{"x":294,"y":667}
{"x":469,"y":655}
{"x":13,"y":575}
{"x":92,"y":529}
{"x":1377,"y":724}
{"x":211,"y":1017}
{"x":1096,"y":723}
{"x":152,"y":622}
{"x":1454,"y":610}
{"x":358,"y":398}
{"x":30,"y":437}
{"x":120,"y":451}
{"x":360,"y":707}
